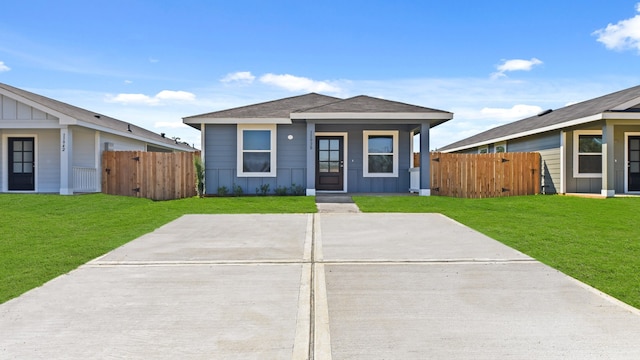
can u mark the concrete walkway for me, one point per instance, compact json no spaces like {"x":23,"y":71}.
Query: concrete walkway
{"x":321,"y":286}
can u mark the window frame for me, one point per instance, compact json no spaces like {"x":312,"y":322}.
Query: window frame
{"x":272,"y":128}
{"x":496,"y":145}
{"x":577,"y":154}
{"x":485,"y":148}
{"x":365,"y":151}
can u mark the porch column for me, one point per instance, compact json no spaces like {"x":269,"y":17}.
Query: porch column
{"x":425,"y":163}
{"x":66,"y":161}
{"x":311,"y":159}
{"x":608,"y":161}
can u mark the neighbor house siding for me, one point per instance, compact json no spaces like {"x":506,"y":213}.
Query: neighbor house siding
{"x":573,"y":184}
{"x":121,"y":143}
{"x":84,"y":148}
{"x":356,"y":182}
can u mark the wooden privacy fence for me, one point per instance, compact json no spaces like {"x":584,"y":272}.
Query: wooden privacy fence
{"x":485,"y":175}
{"x":152,"y":175}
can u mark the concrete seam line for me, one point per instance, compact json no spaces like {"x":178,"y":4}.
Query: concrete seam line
{"x":193,"y":263}
{"x":308,"y":239}
{"x":428,"y":261}
{"x":303,"y":323}
{"x":317,"y":239}
{"x":322,"y":337}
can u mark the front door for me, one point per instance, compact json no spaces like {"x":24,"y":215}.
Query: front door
{"x":633,"y":167}
{"x":21,"y":164}
{"x":329,"y":163}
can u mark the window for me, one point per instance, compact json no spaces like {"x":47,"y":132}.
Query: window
{"x":500,"y":147}
{"x":256,"y":150}
{"x":483,"y":149}
{"x":381,"y":154}
{"x":587,"y":149}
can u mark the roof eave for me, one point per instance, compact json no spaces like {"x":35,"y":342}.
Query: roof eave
{"x":372,"y":116}
{"x":222,"y":121}
{"x":559,"y":126}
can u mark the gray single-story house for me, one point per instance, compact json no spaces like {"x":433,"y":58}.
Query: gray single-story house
{"x":322,"y":143}
{"x":47,"y":146}
{"x":592,"y":147}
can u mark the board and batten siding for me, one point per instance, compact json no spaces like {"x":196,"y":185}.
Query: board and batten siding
{"x":221,"y":149}
{"x":84,"y":148}
{"x":14,"y":111}
{"x":356,"y":182}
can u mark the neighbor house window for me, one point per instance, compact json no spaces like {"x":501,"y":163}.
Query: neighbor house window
{"x":483,"y":149}
{"x":256,"y":150}
{"x":500,"y":147}
{"x":380,"y":153}
{"x":587,"y":149}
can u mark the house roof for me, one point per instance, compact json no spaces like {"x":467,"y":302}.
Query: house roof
{"x":587,"y":111}
{"x":271,"y":109}
{"x":317,"y":106}
{"x":70,"y":115}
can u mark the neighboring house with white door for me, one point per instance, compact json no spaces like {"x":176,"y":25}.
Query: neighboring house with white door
{"x":47,"y":146}
{"x":592,"y":147}
{"x":321,"y":143}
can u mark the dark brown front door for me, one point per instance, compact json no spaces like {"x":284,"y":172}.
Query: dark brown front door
{"x":21,"y":164}
{"x":633,"y":166}
{"x":329,"y":163}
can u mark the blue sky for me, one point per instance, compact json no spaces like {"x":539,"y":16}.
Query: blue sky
{"x":153,"y":62}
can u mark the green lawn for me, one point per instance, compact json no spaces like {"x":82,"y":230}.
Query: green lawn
{"x":43,"y":236}
{"x":593,"y":240}
{"x":596,"y":241}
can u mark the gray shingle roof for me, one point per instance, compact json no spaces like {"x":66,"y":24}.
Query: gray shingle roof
{"x":368,"y":104}
{"x":557,"y":117}
{"x":271,"y":109}
{"x":93,"y":118}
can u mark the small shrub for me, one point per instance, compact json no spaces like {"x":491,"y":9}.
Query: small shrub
{"x":223,"y":191}
{"x":297,"y":190}
{"x":199,"y":166}
{"x":237,"y":190}
{"x":263,"y":190}
{"x":282,"y":191}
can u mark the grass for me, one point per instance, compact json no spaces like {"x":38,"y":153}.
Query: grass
{"x":44,"y":236}
{"x":593,"y":240}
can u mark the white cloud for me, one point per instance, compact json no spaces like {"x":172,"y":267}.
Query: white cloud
{"x":4,"y":67}
{"x":160,"y":98}
{"x":515,"y":65}
{"x":297,"y":83}
{"x":623,"y":35}
{"x":239,"y":77}
{"x":175,"y":95}
{"x":516,"y":112}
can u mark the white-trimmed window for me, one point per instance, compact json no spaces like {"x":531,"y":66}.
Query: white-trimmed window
{"x":587,"y":153}
{"x":483,"y":149}
{"x":500,"y":147}
{"x":380,"y":153}
{"x":256,"y":150}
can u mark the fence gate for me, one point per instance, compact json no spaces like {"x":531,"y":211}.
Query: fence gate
{"x":485,"y":175}
{"x":152,"y":175}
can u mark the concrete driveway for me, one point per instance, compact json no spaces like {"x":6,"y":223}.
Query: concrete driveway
{"x":322,"y":286}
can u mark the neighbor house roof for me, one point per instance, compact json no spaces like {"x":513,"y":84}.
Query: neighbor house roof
{"x":607,"y":106}
{"x":317,"y":106}
{"x":73,"y":115}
